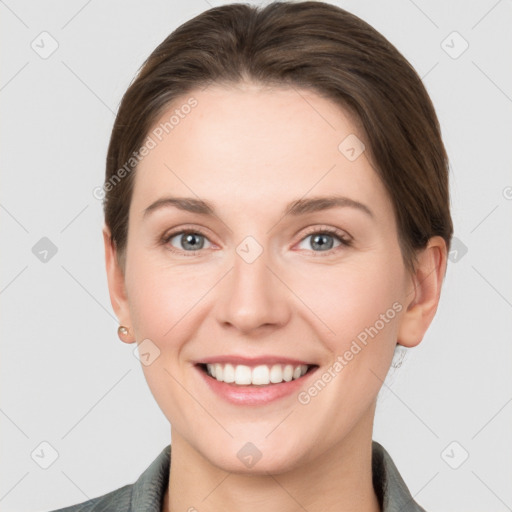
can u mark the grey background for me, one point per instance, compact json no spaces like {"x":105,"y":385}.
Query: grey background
{"x":68,"y":381}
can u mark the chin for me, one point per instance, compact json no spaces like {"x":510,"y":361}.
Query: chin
{"x":251,"y":458}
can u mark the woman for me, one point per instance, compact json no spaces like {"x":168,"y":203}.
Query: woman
{"x":276,"y":223}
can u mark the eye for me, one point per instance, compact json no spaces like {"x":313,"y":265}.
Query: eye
{"x":323,"y":240}
{"x":186,"y":241}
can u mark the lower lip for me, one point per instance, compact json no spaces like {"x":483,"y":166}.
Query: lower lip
{"x":254,"y":395}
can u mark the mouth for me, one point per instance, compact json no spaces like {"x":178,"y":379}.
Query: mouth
{"x":255,"y":376}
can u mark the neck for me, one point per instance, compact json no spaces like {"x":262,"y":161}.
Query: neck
{"x":340,"y":479}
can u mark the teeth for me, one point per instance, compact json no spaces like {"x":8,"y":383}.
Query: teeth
{"x":262,"y":375}
{"x":229,"y":373}
{"x":219,"y":372}
{"x":242,"y":374}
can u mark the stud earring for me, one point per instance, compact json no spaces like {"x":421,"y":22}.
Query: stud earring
{"x":122,"y":331}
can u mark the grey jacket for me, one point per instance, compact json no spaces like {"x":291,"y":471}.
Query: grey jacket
{"x":147,"y":493}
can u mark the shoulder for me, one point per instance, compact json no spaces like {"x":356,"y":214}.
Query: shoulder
{"x":146,"y":493}
{"x":389,"y":485}
{"x":114,"y":501}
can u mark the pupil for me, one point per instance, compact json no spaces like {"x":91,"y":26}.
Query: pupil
{"x":319,"y":240}
{"x":190,"y":238}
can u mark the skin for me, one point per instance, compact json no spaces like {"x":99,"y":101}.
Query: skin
{"x":250,"y":151}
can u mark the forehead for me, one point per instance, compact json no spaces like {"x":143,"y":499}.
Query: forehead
{"x":244,"y":141}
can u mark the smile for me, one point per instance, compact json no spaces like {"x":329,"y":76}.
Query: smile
{"x":252,"y":386}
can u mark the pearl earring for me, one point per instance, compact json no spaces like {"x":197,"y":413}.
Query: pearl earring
{"x":122,"y":331}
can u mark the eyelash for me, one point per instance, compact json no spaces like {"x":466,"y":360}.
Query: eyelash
{"x":336,"y":233}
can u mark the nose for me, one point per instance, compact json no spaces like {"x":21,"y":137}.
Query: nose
{"x":252,"y":297}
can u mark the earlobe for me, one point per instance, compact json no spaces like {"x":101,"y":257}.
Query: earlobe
{"x":116,"y":286}
{"x":427,"y":281}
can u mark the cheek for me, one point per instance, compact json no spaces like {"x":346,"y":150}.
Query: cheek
{"x":161,"y":297}
{"x":165,"y":303}
{"x":350,"y":298}
{"x":360,"y":308}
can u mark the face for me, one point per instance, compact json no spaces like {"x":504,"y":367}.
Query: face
{"x":269,"y":272}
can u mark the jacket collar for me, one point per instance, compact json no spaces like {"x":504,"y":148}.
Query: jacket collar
{"x":149,"y":490}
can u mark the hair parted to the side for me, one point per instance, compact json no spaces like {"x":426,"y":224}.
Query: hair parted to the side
{"x":312,"y":45}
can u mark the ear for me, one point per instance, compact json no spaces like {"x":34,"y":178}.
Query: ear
{"x":426,"y":280}
{"x":116,"y":286}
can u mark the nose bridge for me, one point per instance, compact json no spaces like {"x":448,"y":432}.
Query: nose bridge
{"x":253,"y":297}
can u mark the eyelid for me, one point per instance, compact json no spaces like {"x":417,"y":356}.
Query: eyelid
{"x":319,"y":228}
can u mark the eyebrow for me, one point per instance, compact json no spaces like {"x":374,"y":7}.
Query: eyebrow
{"x":295,"y":208}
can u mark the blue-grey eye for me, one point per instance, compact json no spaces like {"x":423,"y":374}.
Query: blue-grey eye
{"x":321,"y":241}
{"x":189,"y":241}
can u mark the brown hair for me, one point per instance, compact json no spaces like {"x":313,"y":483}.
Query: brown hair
{"x":311,"y":45}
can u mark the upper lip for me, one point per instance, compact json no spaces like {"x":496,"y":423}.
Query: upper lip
{"x":253,"y":361}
